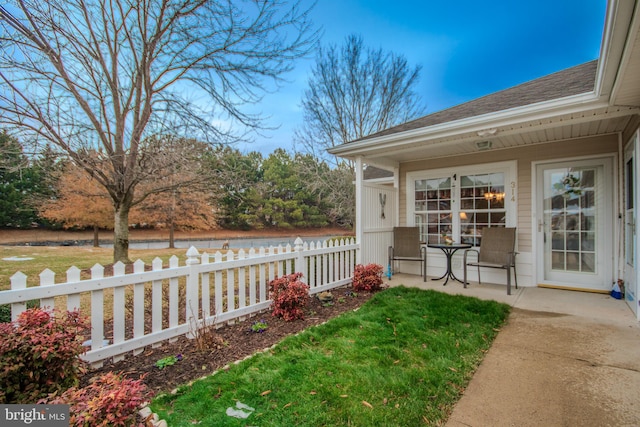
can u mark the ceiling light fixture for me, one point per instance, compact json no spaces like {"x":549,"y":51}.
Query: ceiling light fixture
{"x":483,"y":145}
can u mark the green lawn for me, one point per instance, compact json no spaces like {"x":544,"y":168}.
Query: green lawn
{"x":403,"y":359}
{"x":32,"y":260}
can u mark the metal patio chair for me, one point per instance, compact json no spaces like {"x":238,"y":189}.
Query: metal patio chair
{"x":408,"y":247}
{"x":497,"y":250}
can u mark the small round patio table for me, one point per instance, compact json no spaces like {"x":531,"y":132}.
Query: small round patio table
{"x":449,"y":250}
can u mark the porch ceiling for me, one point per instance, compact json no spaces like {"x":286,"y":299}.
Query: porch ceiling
{"x":577,"y":124}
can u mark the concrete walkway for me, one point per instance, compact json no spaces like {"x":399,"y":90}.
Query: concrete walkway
{"x":564,"y":358}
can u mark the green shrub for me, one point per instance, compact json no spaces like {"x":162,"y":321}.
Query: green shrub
{"x":110,"y":400}
{"x":367,"y":277}
{"x":39,"y":354}
{"x":289,"y":296}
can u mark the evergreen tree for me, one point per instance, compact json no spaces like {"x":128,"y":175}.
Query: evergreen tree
{"x":19,"y":181}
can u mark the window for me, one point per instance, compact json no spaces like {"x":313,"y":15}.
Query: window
{"x":460,"y":203}
{"x":433,"y":208}
{"x":481,"y":205}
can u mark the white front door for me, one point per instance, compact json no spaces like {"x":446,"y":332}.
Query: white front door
{"x":630,"y":238}
{"x":575,"y":228}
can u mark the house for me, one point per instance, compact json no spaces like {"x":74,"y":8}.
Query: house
{"x":556,"y":157}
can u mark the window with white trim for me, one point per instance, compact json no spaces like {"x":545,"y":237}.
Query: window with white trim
{"x":456,"y":204}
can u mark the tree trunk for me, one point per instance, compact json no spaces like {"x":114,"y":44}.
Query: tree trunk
{"x":121,"y":235}
{"x":96,"y":239}
{"x":172,"y":243}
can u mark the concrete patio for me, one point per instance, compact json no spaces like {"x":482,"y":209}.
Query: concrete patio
{"x":564,"y":358}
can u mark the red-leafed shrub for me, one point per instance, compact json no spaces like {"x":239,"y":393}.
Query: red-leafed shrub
{"x":110,"y":400}
{"x":367,"y":277}
{"x":289,"y":296}
{"x":39,"y":354}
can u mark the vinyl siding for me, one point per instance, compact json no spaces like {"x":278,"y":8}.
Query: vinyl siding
{"x":524,"y":156}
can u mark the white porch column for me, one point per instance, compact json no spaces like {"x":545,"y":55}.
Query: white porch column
{"x":396,"y":185}
{"x":359,"y":208}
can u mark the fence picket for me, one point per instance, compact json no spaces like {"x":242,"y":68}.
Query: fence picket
{"x":231,"y":294}
{"x":47,"y":278}
{"x":218,"y":299}
{"x":173,"y":295}
{"x":156,"y":300}
{"x":242,"y":282}
{"x":73,"y":300}
{"x":205,"y":289}
{"x":18,"y":282}
{"x":97,"y":312}
{"x":252,"y":278}
{"x":119,"y":301}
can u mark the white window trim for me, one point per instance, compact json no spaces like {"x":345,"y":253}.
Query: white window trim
{"x":509,"y":168}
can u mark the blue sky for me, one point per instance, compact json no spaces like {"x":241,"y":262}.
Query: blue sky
{"x":466,"y":48}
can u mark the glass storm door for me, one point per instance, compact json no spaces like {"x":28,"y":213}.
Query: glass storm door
{"x":575,"y":228}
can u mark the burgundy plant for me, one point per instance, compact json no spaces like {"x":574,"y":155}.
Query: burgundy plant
{"x":289,"y":295}
{"x":367,"y":277}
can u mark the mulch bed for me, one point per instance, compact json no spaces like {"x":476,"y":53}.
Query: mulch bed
{"x":223,"y":346}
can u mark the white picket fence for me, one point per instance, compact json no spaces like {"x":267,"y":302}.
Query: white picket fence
{"x":148,"y":307}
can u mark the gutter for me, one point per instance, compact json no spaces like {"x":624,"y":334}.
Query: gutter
{"x":486,"y":122}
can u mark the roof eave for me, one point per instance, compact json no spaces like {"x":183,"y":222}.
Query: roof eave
{"x":541,"y":110}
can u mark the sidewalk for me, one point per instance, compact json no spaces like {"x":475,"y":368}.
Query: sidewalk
{"x":564,"y":358}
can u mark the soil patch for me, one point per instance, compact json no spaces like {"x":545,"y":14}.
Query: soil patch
{"x":224,"y":345}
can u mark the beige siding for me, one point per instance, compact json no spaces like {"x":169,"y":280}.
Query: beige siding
{"x":524,"y":156}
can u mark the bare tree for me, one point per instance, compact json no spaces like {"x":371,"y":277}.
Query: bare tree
{"x":353,"y":92}
{"x":104,"y":75}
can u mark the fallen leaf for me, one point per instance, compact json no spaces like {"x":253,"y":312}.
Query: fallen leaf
{"x":344,"y":395}
{"x":425,"y":419}
{"x":453,"y":369}
{"x":264,"y":393}
{"x":287,"y":405}
{"x":396,"y":362}
{"x":385,"y":401}
{"x":367,"y":404}
{"x":313,"y":392}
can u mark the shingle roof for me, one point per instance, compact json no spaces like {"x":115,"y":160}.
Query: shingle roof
{"x":571,"y":81}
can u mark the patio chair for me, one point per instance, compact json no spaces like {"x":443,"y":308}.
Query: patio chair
{"x":407,"y":247}
{"x":497,"y":250}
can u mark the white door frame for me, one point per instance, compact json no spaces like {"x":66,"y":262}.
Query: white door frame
{"x":631,"y":273}
{"x":538,"y":212}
